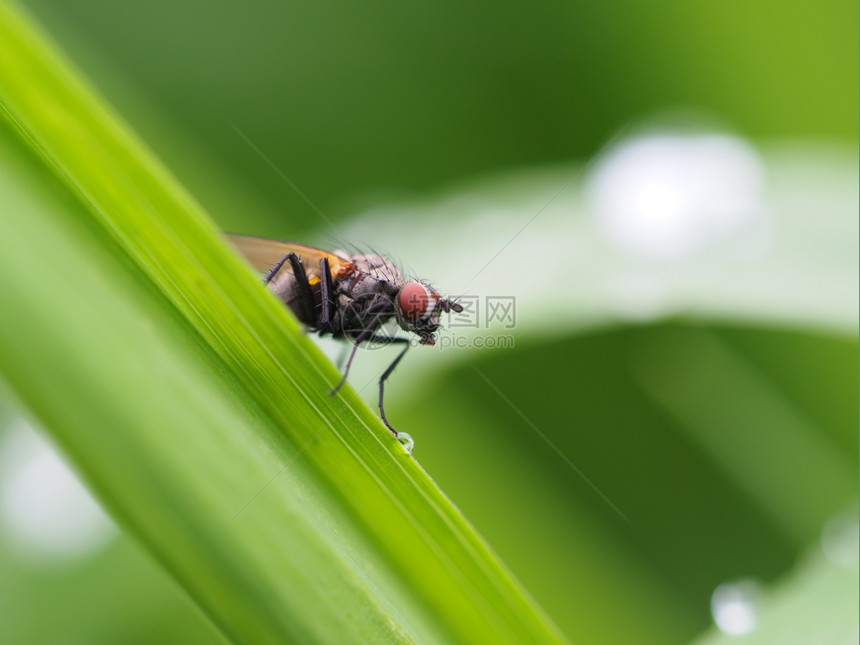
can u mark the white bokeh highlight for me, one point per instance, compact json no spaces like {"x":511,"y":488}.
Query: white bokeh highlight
{"x":666,"y":196}
{"x":734,"y":607}
{"x":840,"y":540}
{"x":46,"y":514}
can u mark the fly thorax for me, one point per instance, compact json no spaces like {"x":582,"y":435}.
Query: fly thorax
{"x":367,"y":293}
{"x":378,"y":268}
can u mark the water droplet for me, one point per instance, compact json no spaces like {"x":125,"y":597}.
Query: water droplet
{"x":406,"y":441}
{"x":734,"y":607}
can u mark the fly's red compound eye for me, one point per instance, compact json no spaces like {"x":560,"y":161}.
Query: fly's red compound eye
{"x":416,"y":301}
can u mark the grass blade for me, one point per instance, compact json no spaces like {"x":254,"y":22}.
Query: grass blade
{"x":181,"y":390}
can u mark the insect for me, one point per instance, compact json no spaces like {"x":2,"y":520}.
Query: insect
{"x":347,"y":296}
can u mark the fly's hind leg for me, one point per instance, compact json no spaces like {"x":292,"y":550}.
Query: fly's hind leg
{"x":329,"y":302}
{"x":302,"y":283}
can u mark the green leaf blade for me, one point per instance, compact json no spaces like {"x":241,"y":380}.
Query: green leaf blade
{"x":350,"y":540}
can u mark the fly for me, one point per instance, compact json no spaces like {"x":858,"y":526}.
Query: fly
{"x":347,"y":296}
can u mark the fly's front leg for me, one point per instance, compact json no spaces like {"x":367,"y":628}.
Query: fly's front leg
{"x":406,"y":342}
{"x":303,"y":285}
{"x":385,"y":340}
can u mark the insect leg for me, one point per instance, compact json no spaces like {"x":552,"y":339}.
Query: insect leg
{"x":302,"y":283}
{"x":328,"y":297}
{"x":387,"y":373}
{"x":366,"y":333}
{"x":271,"y":273}
{"x":341,"y":357}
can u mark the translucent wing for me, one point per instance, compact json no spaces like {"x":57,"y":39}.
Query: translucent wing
{"x":263,"y":254}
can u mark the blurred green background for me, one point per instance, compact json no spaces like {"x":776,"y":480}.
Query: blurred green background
{"x":703,"y":379}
